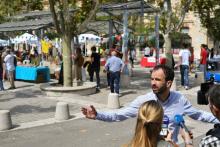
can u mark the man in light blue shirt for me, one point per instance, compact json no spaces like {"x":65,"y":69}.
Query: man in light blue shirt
{"x":172,"y":102}
{"x":114,"y":65}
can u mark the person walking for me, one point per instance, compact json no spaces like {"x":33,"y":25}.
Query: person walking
{"x":132,"y":56}
{"x":147,"y":51}
{"x":78,"y":63}
{"x":191,"y":60}
{"x":173,"y":102}
{"x":184,"y":56}
{"x":10,"y":67}
{"x":95,"y":66}
{"x":114,"y":65}
{"x":203,"y":59}
{"x":4,"y":74}
{"x":1,"y":73}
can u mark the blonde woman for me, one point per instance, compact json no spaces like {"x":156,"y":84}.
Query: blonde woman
{"x":148,"y":127}
{"x":147,"y":132}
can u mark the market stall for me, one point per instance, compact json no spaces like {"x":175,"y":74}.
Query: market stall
{"x":151,"y":61}
{"x":213,"y":74}
{"x":87,"y":41}
{"x":213,"y":71}
{"x":4,"y":42}
{"x":38,"y":74}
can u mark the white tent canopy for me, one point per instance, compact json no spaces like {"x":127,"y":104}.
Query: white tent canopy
{"x":4,"y":42}
{"x":25,"y":38}
{"x":89,"y":37}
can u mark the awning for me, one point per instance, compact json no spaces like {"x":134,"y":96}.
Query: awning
{"x":132,"y":8}
{"x":26,"y":25}
{"x":33,"y":14}
{"x":102,"y":27}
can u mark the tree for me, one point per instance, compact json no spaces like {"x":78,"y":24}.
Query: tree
{"x":9,"y":8}
{"x":70,"y":24}
{"x":12,"y":7}
{"x":33,"y":5}
{"x":172,"y":26}
{"x":171,"y":21}
{"x":209,"y":14}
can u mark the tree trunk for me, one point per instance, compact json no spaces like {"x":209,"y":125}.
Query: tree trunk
{"x":67,"y":61}
{"x":216,"y":44}
{"x":167,"y":39}
{"x":168,"y":52}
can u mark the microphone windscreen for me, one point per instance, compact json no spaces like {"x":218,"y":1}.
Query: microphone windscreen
{"x":178,"y":119}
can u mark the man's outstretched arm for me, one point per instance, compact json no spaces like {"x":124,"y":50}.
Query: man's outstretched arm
{"x":118,"y":115}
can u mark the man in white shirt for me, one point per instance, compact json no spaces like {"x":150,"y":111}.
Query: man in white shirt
{"x":10,"y":67}
{"x":147,"y":51}
{"x":184,"y":56}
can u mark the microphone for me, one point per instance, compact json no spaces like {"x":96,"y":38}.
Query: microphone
{"x":178,"y":120}
{"x":164,"y":127}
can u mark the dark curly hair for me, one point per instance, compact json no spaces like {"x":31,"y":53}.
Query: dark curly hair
{"x":214,"y":95}
{"x":168,"y":72}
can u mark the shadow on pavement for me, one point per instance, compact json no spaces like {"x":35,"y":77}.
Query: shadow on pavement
{"x":30,"y":109}
{"x":8,"y":96}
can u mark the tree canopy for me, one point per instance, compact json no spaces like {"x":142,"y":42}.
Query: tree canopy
{"x":13,"y":7}
{"x":209,"y":14}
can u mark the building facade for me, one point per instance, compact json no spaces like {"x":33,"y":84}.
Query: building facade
{"x":193,"y":27}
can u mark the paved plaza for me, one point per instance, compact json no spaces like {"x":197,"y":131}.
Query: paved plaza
{"x":32,"y":114}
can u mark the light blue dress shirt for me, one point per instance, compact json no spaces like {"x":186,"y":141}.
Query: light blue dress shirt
{"x":114,"y":64}
{"x":175,"y":104}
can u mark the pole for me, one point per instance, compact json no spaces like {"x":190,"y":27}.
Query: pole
{"x":125,"y":32}
{"x":157,"y":22}
{"x":110,"y":32}
{"x":142,"y":9}
{"x":125,"y":79}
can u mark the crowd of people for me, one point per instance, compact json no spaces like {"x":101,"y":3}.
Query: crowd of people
{"x":91,"y":63}
{"x":209,"y":60}
{"x":113,"y":64}
{"x":30,"y":56}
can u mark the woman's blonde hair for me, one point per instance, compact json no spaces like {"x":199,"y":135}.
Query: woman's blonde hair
{"x":148,"y":127}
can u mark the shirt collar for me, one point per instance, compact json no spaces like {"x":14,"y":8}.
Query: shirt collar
{"x":167,"y":100}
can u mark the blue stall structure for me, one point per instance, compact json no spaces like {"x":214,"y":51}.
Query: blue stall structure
{"x":213,"y":69}
{"x":213,"y":74}
{"x":39,"y":74}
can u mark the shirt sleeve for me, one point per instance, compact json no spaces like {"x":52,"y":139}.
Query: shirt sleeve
{"x":196,"y":114}
{"x":107,"y":64}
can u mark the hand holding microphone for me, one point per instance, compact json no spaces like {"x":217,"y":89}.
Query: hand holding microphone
{"x":186,"y":134}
